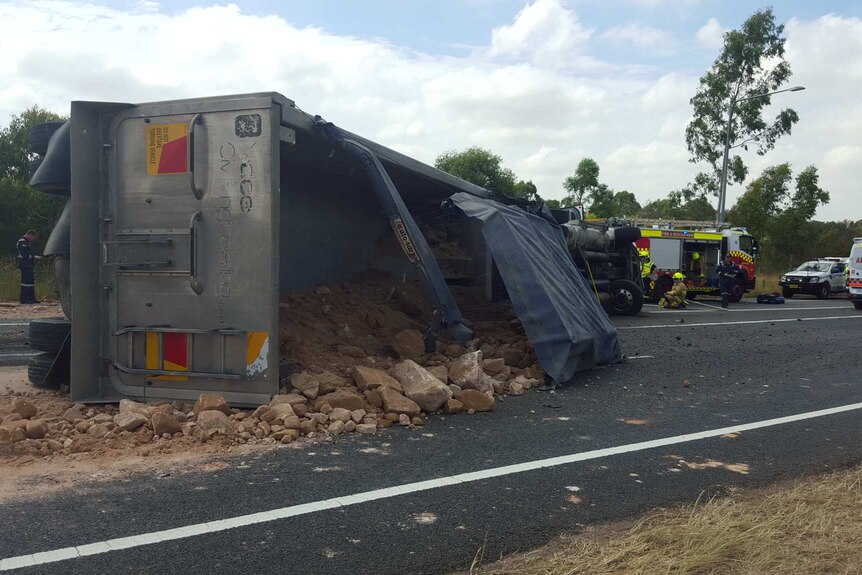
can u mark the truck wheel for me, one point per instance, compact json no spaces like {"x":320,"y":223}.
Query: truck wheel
{"x":857,"y":305}
{"x":824,"y":291}
{"x":62,"y":276}
{"x":627,"y":298}
{"x":738,"y":291}
{"x":38,"y":367}
{"x":41,"y":134}
{"x":49,"y":334}
{"x":787,"y":293}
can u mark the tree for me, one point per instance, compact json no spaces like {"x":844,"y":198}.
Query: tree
{"x":778,"y":217}
{"x":751,"y":63}
{"x":526,"y":190}
{"x":22,"y":206}
{"x":481,"y":167}
{"x":627,"y":204}
{"x":582,"y":183}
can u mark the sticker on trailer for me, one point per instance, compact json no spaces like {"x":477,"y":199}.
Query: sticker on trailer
{"x":169,"y":352}
{"x":167,"y":149}
{"x":404,"y":239}
{"x":257,"y":350}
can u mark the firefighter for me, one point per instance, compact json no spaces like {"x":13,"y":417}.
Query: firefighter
{"x":675,"y":297}
{"x":26,"y":263}
{"x":727,"y":274}
{"x":695,"y":264}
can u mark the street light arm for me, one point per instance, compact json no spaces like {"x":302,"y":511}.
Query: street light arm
{"x":722,"y":186}
{"x":756,"y":96}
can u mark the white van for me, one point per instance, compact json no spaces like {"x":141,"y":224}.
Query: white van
{"x":854,"y":279}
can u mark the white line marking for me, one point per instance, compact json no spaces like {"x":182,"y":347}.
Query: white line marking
{"x":395,"y":491}
{"x":732,"y":309}
{"x":665,"y":325}
{"x":25,"y":354}
{"x":16,"y":323}
{"x":640,"y":357}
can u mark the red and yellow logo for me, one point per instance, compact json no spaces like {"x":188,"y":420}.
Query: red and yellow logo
{"x":167,"y":149}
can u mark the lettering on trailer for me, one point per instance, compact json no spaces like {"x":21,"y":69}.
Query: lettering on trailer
{"x":404,"y":240}
{"x":167,"y":149}
{"x":246,"y":186}
{"x":227,"y":156}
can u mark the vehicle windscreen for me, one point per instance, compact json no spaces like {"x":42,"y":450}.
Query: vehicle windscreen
{"x":746,"y":244}
{"x":815,"y":267}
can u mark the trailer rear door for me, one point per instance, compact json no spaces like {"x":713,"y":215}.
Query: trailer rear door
{"x":189,"y":238}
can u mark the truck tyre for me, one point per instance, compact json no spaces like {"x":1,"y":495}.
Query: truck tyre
{"x":62,"y":276}
{"x":41,"y":134}
{"x":627,"y":298}
{"x":824,"y":291}
{"x":857,"y":305}
{"x":49,"y":334}
{"x":738,"y":291}
{"x":38,"y":367}
{"x":787,"y":293}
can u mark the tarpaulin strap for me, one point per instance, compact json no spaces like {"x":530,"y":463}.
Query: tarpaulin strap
{"x":446,"y":313}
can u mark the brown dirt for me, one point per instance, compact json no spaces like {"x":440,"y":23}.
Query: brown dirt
{"x":321,"y":329}
{"x":369,"y":312}
{"x":12,"y":310}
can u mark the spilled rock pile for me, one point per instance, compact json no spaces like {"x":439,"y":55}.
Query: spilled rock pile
{"x":353,"y":360}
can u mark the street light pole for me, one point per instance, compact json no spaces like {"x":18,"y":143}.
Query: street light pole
{"x":722,"y":186}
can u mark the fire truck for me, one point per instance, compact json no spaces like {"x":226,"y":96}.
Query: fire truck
{"x":695,"y":249}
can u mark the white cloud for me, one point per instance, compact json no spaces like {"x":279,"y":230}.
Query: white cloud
{"x":642,"y":37}
{"x":710,"y":35}
{"x":545,"y":32}
{"x":666,"y":3}
{"x":526,"y":95}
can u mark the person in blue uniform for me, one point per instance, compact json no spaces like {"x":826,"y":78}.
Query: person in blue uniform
{"x":727,"y":273}
{"x":27,"y":263}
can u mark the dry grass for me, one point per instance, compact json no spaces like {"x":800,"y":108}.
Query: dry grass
{"x":812,"y":526}
{"x":10,"y":280}
{"x":765,"y":283}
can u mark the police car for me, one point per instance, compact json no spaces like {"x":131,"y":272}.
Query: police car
{"x":821,"y":278}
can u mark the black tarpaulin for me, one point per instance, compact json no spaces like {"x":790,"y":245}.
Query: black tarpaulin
{"x":567,"y":327}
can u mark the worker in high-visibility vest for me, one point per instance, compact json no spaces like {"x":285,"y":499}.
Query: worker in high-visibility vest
{"x":647,"y":268}
{"x":695,"y":263}
{"x":675,"y":296}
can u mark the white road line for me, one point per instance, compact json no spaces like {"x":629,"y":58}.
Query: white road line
{"x":339,"y":502}
{"x":16,"y":323}
{"x":25,"y":354}
{"x":640,"y":357}
{"x":732,"y":309}
{"x":664,"y":325}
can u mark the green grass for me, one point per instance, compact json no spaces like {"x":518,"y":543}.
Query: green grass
{"x":10,"y":280}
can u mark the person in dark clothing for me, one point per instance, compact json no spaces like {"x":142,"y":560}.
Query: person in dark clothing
{"x":27,"y":263}
{"x":727,"y":274}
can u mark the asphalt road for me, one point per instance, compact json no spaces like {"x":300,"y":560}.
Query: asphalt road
{"x":746,"y":366}
{"x":13,"y":342}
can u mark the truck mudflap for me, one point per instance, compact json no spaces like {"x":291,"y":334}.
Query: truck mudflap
{"x":567,"y":327}
{"x":446,"y":313}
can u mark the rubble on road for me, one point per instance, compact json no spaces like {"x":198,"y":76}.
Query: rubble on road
{"x":353,"y":361}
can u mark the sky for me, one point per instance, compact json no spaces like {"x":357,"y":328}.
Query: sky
{"x":542,"y":83}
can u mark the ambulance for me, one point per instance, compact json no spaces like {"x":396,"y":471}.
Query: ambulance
{"x":854,"y":278}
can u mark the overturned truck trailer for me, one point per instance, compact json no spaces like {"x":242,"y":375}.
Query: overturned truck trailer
{"x":188,"y":218}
